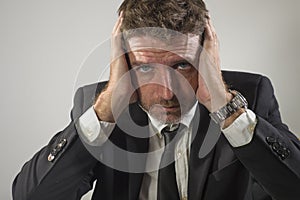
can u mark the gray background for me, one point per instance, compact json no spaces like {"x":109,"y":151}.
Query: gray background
{"x":43,"y":45}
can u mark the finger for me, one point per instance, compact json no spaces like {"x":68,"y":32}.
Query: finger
{"x":116,"y":39}
{"x":211,"y":40}
{"x":208,"y":31}
{"x":212,"y":28}
{"x":118,"y":24}
{"x":215,"y":42}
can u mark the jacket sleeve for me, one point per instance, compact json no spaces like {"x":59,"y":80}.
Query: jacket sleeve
{"x":273,"y":155}
{"x":61,"y":170}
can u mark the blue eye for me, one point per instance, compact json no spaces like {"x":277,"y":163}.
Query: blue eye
{"x":144,"y":68}
{"x":183,"y":66}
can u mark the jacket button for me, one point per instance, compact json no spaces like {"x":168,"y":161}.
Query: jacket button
{"x":270,"y":140}
{"x":286,"y":153}
{"x":280,"y":151}
{"x":275,"y":146}
{"x":62,"y":143}
{"x":56,"y":150}
{"x":51,"y":157}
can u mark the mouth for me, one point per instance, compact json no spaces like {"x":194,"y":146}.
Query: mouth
{"x":171,"y":108}
{"x":166,"y":113}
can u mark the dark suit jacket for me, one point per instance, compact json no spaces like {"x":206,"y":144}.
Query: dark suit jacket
{"x":266,"y":168}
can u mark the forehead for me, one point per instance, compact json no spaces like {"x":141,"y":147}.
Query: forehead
{"x":154,"y":56}
{"x":143,"y":48}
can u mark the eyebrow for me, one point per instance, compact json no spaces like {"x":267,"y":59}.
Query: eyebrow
{"x":138,"y":63}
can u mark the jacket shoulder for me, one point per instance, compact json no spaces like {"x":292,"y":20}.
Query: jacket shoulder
{"x":248,"y":84}
{"x":235,"y":78}
{"x":85,"y":97}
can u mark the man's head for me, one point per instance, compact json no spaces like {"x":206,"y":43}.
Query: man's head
{"x":163,"y":57}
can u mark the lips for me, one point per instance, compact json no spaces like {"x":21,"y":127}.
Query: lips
{"x":171,"y":108}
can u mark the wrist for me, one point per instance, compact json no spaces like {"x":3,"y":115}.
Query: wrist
{"x":232,"y":118}
{"x":237,"y":104}
{"x":102,"y":107}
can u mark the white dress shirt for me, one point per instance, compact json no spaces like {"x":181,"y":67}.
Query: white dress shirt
{"x":96,"y":132}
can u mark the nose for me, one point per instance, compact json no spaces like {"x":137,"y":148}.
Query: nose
{"x":167,"y":83}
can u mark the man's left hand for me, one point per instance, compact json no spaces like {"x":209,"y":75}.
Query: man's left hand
{"x":211,"y":92}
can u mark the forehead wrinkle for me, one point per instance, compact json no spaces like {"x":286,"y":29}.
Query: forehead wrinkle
{"x":144,"y":42}
{"x":159,"y":55}
{"x":166,"y":58}
{"x":178,"y":49}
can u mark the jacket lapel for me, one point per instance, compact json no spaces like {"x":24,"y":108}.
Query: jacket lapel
{"x":212,"y":161}
{"x":139,"y":144}
{"x":202,"y":152}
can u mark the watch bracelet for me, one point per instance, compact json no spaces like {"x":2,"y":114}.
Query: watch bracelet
{"x":237,"y":102}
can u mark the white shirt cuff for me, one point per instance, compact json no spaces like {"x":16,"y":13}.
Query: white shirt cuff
{"x":94,"y":132}
{"x":240,"y":132}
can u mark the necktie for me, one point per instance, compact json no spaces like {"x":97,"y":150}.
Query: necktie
{"x":167,"y":186}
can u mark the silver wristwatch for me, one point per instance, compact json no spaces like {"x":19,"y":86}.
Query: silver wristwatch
{"x":226,"y":111}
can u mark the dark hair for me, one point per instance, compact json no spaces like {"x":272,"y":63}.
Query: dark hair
{"x":184,"y":16}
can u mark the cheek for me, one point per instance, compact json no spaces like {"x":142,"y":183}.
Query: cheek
{"x":194,"y":82}
{"x":147,"y":94}
{"x":192,"y":78}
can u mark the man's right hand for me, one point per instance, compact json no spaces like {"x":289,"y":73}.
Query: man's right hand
{"x":118,"y":67}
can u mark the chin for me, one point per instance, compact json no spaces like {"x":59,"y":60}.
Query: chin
{"x":173,"y":121}
{"x":164,"y":115}
{"x":168,"y":118}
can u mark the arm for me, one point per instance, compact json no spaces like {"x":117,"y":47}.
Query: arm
{"x":263,"y":156}
{"x":272,"y":155}
{"x":49,"y":175}
{"x":68,"y":176}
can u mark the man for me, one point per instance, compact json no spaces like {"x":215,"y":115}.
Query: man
{"x":165,"y":81}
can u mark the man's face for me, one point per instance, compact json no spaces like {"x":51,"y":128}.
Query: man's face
{"x":165,"y":75}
